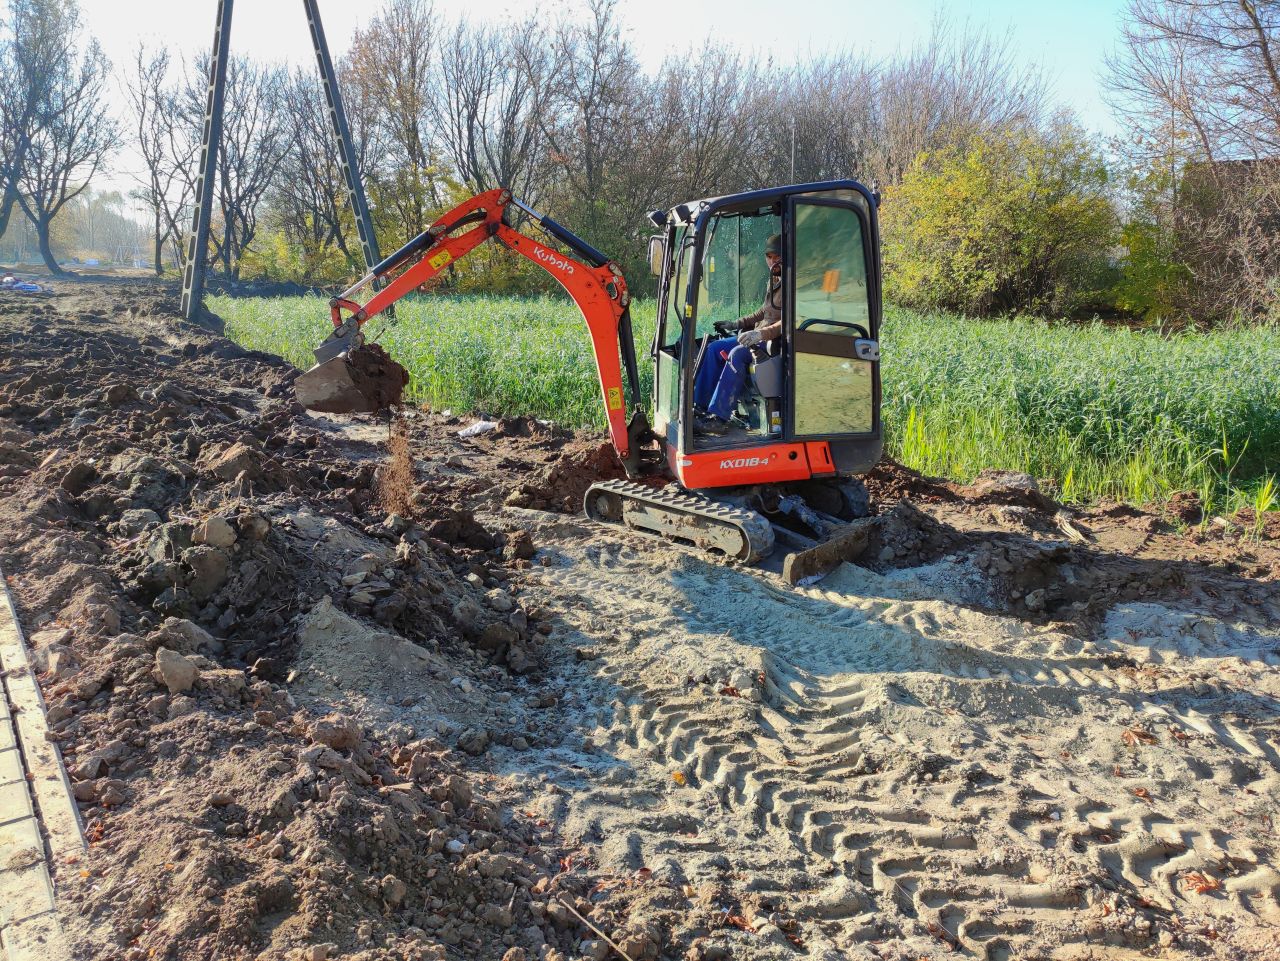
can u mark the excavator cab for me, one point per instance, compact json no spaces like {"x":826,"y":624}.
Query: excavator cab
{"x":811,"y":405}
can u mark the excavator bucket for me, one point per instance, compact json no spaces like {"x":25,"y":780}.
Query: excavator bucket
{"x":359,"y":380}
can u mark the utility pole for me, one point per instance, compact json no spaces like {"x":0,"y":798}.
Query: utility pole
{"x":194,"y":275}
{"x":346,"y":145}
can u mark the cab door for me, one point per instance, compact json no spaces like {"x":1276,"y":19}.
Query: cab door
{"x":668,"y":383}
{"x":835,"y":301}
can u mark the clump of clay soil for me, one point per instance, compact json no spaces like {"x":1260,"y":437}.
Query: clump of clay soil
{"x":562,"y":484}
{"x":377,"y":376}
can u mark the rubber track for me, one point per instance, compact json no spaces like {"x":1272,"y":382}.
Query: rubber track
{"x":755,"y":530}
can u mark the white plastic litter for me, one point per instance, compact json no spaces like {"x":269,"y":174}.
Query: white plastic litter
{"x":479,"y":427}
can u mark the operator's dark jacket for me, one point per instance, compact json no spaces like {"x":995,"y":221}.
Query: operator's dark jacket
{"x":770,"y":312}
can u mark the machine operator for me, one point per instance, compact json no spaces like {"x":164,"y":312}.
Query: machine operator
{"x":723,"y":371}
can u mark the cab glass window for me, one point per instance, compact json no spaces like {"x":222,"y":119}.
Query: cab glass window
{"x":831,"y":272}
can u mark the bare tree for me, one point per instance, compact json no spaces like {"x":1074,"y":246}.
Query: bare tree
{"x":254,"y":143}
{"x":389,"y":70}
{"x":493,"y":106}
{"x":73,"y":132}
{"x":309,"y":197}
{"x":169,"y":146}
{"x":1198,"y":81}
{"x":37,"y":36}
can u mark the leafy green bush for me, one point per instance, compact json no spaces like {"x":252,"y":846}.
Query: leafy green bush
{"x":1009,"y":222}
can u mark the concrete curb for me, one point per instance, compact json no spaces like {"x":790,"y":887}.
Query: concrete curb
{"x":39,"y":823}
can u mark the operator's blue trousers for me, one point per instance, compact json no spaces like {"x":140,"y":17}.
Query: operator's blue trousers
{"x":718,"y":382}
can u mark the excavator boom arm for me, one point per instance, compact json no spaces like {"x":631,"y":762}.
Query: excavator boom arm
{"x":597,"y":287}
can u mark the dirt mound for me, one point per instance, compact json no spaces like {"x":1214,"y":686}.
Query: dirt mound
{"x":889,"y":482}
{"x":561,"y":485}
{"x":171,"y":528}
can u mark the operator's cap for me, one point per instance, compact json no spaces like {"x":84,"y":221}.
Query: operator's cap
{"x":773,"y":245}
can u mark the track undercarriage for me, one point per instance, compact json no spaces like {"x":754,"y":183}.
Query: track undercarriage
{"x":822,"y":523}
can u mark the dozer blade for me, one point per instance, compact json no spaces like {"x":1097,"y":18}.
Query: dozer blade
{"x":845,"y":544}
{"x":362,"y":380}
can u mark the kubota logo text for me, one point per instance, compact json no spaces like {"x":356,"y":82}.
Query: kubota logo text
{"x":547,"y":257}
{"x":737,"y":462}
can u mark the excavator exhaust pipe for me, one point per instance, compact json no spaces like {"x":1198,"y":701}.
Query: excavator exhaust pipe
{"x":360,"y":379}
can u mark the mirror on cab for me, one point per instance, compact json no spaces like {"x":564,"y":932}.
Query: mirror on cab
{"x":655,"y":254}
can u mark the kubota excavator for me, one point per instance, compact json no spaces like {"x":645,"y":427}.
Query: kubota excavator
{"x":808,"y":421}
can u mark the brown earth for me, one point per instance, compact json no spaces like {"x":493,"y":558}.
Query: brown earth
{"x":319,"y":700}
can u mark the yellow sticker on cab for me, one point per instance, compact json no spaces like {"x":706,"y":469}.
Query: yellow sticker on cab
{"x":439,"y":260}
{"x":613,"y":397}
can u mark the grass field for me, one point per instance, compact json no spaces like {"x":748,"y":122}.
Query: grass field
{"x":1097,"y":410}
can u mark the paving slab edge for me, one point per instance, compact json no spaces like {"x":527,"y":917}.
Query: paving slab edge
{"x":39,"y":935}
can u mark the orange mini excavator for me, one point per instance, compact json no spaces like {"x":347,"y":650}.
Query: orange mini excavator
{"x":804,"y":426}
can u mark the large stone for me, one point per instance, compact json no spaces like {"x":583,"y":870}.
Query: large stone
{"x":228,"y":464}
{"x":497,"y":637}
{"x":215,"y":532}
{"x":168,"y":541}
{"x":468,"y":616}
{"x":253,"y":526}
{"x":77,"y":477}
{"x":133,"y":522}
{"x":338,"y":732}
{"x":208,"y":571}
{"x":175,"y":671}
{"x":183,"y":636}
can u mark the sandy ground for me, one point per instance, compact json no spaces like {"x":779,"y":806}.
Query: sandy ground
{"x":302,"y":727}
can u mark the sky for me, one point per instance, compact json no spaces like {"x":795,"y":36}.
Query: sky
{"x":1067,"y":40}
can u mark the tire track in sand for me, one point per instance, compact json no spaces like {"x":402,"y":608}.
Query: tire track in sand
{"x":926,"y":765}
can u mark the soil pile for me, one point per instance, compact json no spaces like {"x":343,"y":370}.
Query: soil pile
{"x":173,"y":526}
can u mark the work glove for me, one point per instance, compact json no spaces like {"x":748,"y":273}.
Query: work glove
{"x":749,"y":338}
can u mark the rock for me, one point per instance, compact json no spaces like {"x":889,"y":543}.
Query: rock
{"x":117,"y":394}
{"x":60,"y":663}
{"x":85,"y":790}
{"x":454,"y":846}
{"x":91,"y":768}
{"x":468,"y":616}
{"x":134,"y":522}
{"x":458,"y":790}
{"x":168,"y":541}
{"x":515,"y":954}
{"x":520,"y":546}
{"x":336,"y":731}
{"x":225,"y":682}
{"x":1035,"y":599}
{"x":253,"y":526}
{"x":209,"y":567}
{"x":351,"y":580}
{"x":183,"y":636}
{"x":520,"y":660}
{"x":390,"y":607}
{"x":473,"y":741}
{"x":501,"y":601}
{"x":497,"y":637}
{"x":393,"y":889}
{"x":215,"y":532}
{"x":112,"y":792}
{"x":174,"y":670}
{"x":395,"y":524}
{"x":594,"y":949}
{"x":77,"y":477}
{"x":232,"y":461}
{"x":462,"y":684}
{"x":361,"y":598}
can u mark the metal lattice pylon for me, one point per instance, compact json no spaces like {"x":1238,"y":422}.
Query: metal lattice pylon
{"x":198,"y":243}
